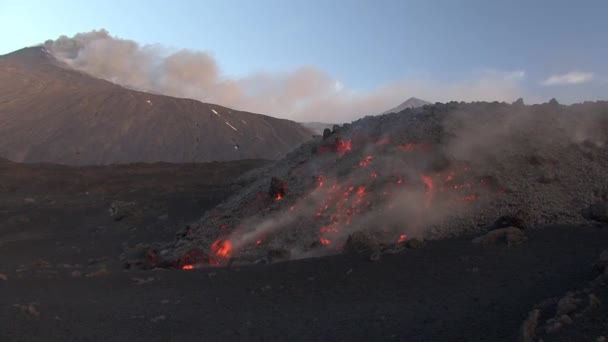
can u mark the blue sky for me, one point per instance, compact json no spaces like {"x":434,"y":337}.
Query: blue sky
{"x":365,"y":45}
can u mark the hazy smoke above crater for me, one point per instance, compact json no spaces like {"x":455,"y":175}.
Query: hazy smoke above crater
{"x":304,"y":94}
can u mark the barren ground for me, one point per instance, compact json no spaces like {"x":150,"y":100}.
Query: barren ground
{"x":56,"y":234}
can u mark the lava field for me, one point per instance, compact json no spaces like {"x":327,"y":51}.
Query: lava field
{"x":385,"y":183}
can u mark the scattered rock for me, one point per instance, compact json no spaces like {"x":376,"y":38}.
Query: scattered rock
{"x":28,"y":309}
{"x":520,"y":219}
{"x":565,"y":319}
{"x":3,"y":277}
{"x":122,"y":209}
{"x":41,"y":263}
{"x":553,"y":327}
{"x":141,"y":281}
{"x":528,"y":328}
{"x":375,"y":256}
{"x":158,"y":318}
{"x":594,"y":302}
{"x":597,"y":212}
{"x":511,"y":236}
{"x":102,"y":272}
{"x":566,"y":305}
{"x":601,"y":266}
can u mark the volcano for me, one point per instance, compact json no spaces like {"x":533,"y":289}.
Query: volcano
{"x":422,"y":174}
{"x":50,"y":112}
{"x":412,"y":102}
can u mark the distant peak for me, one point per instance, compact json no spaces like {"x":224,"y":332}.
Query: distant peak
{"x":412,"y":102}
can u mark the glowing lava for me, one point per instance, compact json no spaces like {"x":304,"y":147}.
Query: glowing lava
{"x":187,"y":267}
{"x":342,"y":146}
{"x":366,"y":161}
{"x":402,"y":238}
{"x":278,"y":197}
{"x":222,"y":248}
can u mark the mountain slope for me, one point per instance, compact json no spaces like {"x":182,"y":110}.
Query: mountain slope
{"x":412,"y":102}
{"x":52,"y":113}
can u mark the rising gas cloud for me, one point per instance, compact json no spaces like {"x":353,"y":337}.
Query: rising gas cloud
{"x":304,"y":94}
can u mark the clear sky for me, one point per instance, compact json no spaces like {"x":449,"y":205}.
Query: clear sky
{"x":556,"y":48}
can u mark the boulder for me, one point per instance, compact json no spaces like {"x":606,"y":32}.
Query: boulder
{"x":361,"y":243}
{"x":121,"y":209}
{"x":597,"y":212}
{"x":519,"y":219}
{"x":511,"y":236}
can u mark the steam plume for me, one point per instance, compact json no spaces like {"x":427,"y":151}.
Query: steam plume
{"x":304,"y":94}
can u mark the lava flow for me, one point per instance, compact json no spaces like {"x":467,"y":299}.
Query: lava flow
{"x":222,"y":248}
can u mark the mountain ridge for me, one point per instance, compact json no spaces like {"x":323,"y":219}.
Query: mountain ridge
{"x":50,"y":112}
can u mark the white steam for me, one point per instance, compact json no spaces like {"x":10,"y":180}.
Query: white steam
{"x":304,"y":94}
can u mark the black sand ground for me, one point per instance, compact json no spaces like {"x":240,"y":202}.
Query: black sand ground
{"x":450,"y":290}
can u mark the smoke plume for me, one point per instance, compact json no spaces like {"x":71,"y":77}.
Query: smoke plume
{"x":304,"y":94}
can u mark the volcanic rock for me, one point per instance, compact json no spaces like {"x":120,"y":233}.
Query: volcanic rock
{"x":594,"y":302}
{"x":381,"y":175}
{"x":519,"y":219}
{"x":511,"y":236}
{"x":278,"y":254}
{"x":601,"y":266}
{"x":121,"y":209}
{"x":362,"y":243}
{"x":528,"y":328}
{"x":567,"y":305}
{"x":519,"y":102}
{"x":326,"y":133}
{"x":597,"y":212}
{"x":277,"y":189}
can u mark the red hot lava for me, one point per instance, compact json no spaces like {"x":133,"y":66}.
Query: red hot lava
{"x":222,"y":248}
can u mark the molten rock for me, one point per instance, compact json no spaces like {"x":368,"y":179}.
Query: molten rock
{"x":278,"y":188}
{"x":510,"y":236}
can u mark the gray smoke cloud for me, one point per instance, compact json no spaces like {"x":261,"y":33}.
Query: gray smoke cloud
{"x":303,"y":94}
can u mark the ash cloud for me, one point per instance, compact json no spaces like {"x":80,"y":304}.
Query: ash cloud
{"x":304,"y":94}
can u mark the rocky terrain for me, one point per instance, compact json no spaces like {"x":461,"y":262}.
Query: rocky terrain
{"x":451,"y":222}
{"x":421,"y":174}
{"x":50,"y":112}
